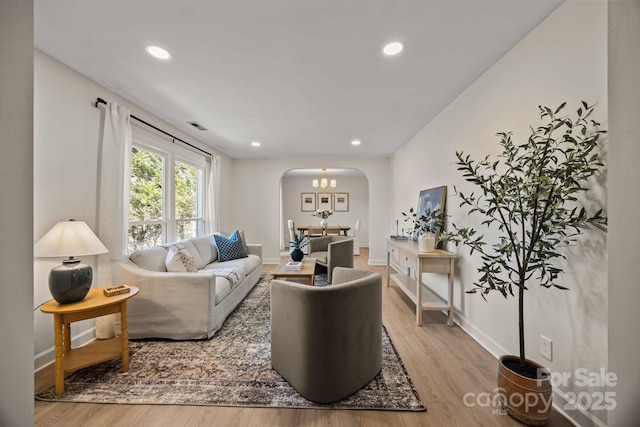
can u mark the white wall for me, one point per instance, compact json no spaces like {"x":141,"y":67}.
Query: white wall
{"x":624,"y":204}
{"x":256,"y":199}
{"x":16,"y":211}
{"x":356,"y":187}
{"x":67,"y":129}
{"x":564,"y":59}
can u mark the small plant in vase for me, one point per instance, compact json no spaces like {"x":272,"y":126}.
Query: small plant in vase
{"x":297,"y":242}
{"x":323,"y":214}
{"x":425,"y":226}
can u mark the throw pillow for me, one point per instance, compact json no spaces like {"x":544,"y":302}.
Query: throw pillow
{"x":243,"y":241}
{"x":179,"y":260}
{"x":188,"y":261}
{"x":230,"y":248}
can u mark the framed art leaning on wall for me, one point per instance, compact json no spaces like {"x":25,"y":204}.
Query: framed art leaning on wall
{"x":432,"y":199}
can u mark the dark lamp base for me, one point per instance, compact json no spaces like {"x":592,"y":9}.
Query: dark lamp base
{"x":70,"y":282}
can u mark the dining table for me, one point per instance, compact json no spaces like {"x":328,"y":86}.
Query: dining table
{"x":313,"y":231}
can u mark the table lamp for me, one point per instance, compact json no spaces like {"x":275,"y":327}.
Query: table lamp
{"x":71,"y":281}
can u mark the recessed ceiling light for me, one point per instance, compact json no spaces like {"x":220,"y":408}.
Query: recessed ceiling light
{"x":355,"y":142}
{"x":393,"y":48}
{"x":158,"y":52}
{"x":255,"y":144}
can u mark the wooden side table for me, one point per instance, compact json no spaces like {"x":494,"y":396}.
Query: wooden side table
{"x":95,"y":304}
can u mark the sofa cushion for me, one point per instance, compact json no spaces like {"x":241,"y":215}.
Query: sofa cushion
{"x":179,"y":260}
{"x":150,"y":259}
{"x":248,"y":264}
{"x":231,"y":248}
{"x":206,"y":249}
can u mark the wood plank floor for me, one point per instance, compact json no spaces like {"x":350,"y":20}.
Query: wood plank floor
{"x":444,"y":363}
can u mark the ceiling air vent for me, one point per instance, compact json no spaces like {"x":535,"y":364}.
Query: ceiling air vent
{"x":197,"y":126}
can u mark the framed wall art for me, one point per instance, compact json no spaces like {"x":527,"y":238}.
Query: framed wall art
{"x":308,"y":202}
{"x":341,"y":202}
{"x":324,"y":201}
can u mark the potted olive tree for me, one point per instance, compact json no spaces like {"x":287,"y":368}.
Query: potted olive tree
{"x":528,"y":197}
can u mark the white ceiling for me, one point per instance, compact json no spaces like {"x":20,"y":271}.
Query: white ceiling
{"x":303,"y":77}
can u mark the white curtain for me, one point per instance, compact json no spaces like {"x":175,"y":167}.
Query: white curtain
{"x":114,"y":176}
{"x":213,"y":196}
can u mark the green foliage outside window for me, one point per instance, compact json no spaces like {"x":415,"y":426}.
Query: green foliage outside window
{"x":145,"y":198}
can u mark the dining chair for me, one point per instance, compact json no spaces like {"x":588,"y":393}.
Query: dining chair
{"x":356,"y":242}
{"x":315,"y":231}
{"x":291,"y":228}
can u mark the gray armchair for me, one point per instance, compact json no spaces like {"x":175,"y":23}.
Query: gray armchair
{"x":327,"y":341}
{"x":332,"y":252}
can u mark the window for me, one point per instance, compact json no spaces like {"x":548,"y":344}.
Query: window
{"x":166,"y":202}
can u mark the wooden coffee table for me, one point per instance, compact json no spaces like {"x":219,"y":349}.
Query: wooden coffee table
{"x":307,"y":271}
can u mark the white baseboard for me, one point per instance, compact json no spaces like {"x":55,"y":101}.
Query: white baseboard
{"x":480,"y":337}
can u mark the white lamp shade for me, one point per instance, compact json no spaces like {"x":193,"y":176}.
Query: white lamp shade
{"x":315,"y":183}
{"x":69,"y":239}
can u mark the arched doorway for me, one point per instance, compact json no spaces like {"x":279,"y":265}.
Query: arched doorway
{"x":349,"y":200}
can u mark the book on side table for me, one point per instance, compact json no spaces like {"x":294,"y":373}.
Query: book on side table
{"x":293,"y":265}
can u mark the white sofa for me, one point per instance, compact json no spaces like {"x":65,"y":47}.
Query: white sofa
{"x":185,"y":305}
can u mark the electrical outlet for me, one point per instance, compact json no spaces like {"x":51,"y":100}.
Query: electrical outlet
{"x":546,"y":347}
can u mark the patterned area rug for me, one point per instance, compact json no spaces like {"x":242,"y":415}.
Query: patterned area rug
{"x":231,"y":369}
{"x":321,"y":280}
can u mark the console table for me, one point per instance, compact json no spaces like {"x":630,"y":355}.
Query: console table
{"x":94,"y":305}
{"x":405,"y":254}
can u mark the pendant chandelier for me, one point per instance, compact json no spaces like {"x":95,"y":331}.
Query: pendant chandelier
{"x":323,"y":183}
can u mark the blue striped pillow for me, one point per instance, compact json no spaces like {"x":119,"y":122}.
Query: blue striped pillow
{"x":230,"y":248}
